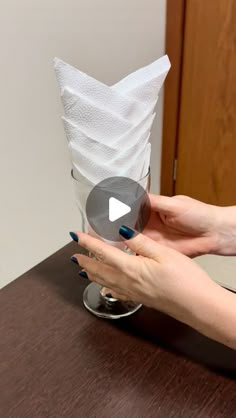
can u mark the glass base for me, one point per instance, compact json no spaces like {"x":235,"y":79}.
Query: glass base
{"x":105,"y":307}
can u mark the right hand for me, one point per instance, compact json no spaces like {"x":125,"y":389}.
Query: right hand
{"x":185,"y":224}
{"x":163,"y":279}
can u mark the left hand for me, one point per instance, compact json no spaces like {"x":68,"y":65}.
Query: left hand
{"x":160,"y":277}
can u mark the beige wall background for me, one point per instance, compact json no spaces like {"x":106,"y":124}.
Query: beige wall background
{"x":107,"y":39}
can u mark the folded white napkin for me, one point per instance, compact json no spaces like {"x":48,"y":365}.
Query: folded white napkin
{"x":108,"y":127}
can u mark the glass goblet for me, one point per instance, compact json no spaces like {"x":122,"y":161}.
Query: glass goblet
{"x":96,"y":298}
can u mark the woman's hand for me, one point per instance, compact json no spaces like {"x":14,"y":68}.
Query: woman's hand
{"x":192,"y":227}
{"x":163,"y":279}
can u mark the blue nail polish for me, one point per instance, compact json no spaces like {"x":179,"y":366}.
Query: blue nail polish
{"x":74,"y":260}
{"x":126,"y":232}
{"x":83,"y":274}
{"x":74,"y":236}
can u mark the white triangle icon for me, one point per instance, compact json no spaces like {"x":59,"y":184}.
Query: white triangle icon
{"x":117,"y":209}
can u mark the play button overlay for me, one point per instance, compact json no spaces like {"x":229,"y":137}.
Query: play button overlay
{"x":117,"y":209}
{"x":117,"y":201}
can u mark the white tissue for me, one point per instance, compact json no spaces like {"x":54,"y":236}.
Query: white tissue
{"x":108,"y":128}
{"x":128,"y":164}
{"x":133,"y":136}
{"x":103,"y":153}
{"x":144,"y":84}
{"x":100,"y":94}
{"x":93,"y":121}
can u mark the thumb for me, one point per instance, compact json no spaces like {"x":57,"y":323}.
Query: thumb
{"x":141,"y":244}
{"x":164,"y":204}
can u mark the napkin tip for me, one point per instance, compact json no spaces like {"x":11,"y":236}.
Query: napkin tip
{"x":56,"y":61}
{"x":167,"y":61}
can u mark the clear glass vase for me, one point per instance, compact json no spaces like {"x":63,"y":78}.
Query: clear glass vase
{"x":97,"y":299}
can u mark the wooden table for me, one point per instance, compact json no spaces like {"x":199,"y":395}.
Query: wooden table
{"x":57,"y":360}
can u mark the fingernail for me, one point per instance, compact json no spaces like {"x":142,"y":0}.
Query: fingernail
{"x":126,"y":232}
{"x":74,"y":259}
{"x":74,"y":236}
{"x":83,"y":274}
{"x":108,"y":295}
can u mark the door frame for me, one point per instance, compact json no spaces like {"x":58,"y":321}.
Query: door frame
{"x":175,"y":26}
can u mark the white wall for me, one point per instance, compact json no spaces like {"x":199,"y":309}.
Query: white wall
{"x":105,"y":38}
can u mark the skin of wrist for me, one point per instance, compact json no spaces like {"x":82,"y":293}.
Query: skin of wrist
{"x":210,"y":310}
{"x":188,"y":301}
{"x":224,"y":231}
{"x":216,"y":315}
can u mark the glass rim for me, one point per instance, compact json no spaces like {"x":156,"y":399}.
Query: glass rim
{"x":89,"y":184}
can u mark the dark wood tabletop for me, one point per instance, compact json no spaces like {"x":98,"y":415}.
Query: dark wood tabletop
{"x":58,"y":360}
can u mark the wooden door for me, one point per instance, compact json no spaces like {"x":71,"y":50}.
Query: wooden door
{"x":205,"y":147}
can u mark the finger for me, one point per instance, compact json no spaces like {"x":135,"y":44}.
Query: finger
{"x":107,"y":275}
{"x":105,"y":292}
{"x":141,"y":244}
{"x":119,"y":296}
{"x":104,"y":252}
{"x":164,"y":204}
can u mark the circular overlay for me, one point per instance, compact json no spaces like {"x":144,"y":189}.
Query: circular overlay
{"x":118,"y":201}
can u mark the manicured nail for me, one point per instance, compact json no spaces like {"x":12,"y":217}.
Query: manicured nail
{"x":74,"y":236}
{"x":126,"y":232}
{"x":74,"y":259}
{"x":109,"y":295}
{"x":83,"y":274}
